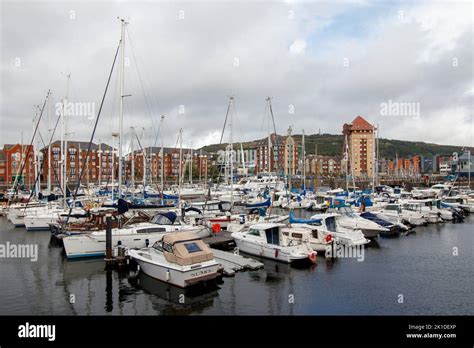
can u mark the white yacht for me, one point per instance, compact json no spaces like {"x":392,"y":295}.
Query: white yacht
{"x":181,"y":259}
{"x":16,"y":213}
{"x":329,"y":224}
{"x":44,"y":220}
{"x":396,"y":212}
{"x":138,"y":235}
{"x":459,"y":202}
{"x":267,"y":240}
{"x":348,"y":219}
{"x":431,"y":210}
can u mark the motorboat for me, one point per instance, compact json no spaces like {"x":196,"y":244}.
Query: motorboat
{"x":329,"y":224}
{"x":394,"y":227}
{"x":432,"y":217}
{"x":181,"y":259}
{"x":247,"y":220}
{"x":432,"y":210}
{"x":310,"y":231}
{"x":267,"y":240}
{"x":348,"y":219}
{"x":407,"y":217}
{"x":459,"y":202}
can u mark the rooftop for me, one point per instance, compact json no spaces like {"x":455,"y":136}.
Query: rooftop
{"x":359,"y":123}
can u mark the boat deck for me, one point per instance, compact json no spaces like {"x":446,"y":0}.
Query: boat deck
{"x":221,"y":241}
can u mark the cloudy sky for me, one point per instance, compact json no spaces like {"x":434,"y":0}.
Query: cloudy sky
{"x":323,"y":63}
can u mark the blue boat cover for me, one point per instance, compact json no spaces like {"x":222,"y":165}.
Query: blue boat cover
{"x":267,"y":203}
{"x":294,"y":220}
{"x":376,"y":219}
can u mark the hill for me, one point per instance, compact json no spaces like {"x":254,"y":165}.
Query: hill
{"x":331,"y":145}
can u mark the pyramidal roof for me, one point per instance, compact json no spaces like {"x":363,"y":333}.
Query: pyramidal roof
{"x":360,"y":123}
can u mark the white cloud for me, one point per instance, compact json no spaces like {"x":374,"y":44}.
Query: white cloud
{"x":190,"y":62}
{"x":298,"y":46}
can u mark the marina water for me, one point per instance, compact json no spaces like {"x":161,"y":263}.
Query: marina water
{"x":429,"y":272}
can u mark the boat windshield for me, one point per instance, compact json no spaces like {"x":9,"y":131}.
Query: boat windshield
{"x":331,"y":224}
{"x":164,"y":219}
{"x":347,"y":211}
{"x":225,"y":206}
{"x":391,"y":207}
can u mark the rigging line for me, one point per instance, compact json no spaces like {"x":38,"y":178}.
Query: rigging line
{"x":93,"y":131}
{"x":150,"y":114}
{"x":276,"y":139}
{"x":158,"y":135}
{"x":153,"y":101}
{"x":42,"y":164}
{"x":264,"y":118}
{"x":225,"y":122}
{"x":114,"y":102}
{"x":29,"y":147}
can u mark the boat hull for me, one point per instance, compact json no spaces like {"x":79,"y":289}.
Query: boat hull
{"x":81,"y":246}
{"x":177,"y":277}
{"x":273,"y":252}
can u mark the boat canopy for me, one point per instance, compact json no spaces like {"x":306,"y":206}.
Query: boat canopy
{"x":185,"y":248}
{"x":165,"y":218}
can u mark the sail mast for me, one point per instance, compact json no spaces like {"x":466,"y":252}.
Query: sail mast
{"x":162,"y":154}
{"x":49,"y":145}
{"x":132,"y":176}
{"x":122,"y":71}
{"x":304,"y":163}
{"x":231,"y":158}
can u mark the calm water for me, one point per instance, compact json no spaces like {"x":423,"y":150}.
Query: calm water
{"x":420,"y":266}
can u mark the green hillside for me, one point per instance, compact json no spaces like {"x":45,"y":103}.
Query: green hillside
{"x":331,"y":145}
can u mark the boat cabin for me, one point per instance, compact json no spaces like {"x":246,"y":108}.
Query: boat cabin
{"x":184,"y":248}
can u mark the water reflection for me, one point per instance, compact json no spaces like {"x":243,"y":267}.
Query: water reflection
{"x":177,"y":300}
{"x":109,"y":301}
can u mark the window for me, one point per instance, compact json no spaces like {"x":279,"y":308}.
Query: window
{"x":192,"y":247}
{"x":152,"y":230}
{"x":167,"y":247}
{"x":254,"y":232}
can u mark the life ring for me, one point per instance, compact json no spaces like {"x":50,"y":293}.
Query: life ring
{"x":312,"y":256}
{"x":89,"y":206}
{"x":328,"y":238}
{"x":96,"y":205}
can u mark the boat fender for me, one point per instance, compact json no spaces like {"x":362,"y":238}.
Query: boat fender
{"x":276,"y":253}
{"x":216,"y":228}
{"x":119,"y":242}
{"x":167,"y":275}
{"x":328,"y":238}
{"x":147,"y":242}
{"x":312,"y":257}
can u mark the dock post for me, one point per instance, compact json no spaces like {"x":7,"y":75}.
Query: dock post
{"x":108,"y":240}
